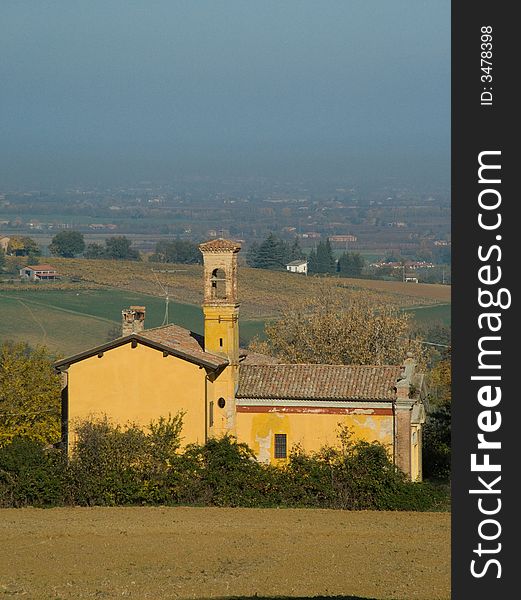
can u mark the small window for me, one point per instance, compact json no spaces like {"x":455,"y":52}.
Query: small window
{"x":221,"y":342}
{"x":280,"y":445}
{"x":210,"y":417}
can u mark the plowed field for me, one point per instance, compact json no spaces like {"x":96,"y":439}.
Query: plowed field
{"x":162,"y":553}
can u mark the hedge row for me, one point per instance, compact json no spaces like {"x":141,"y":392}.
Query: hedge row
{"x":114,"y":466}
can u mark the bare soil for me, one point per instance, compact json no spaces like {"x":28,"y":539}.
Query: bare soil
{"x":162,"y":553}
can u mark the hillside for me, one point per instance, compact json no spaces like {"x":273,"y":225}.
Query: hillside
{"x":262,"y":293}
{"x":82,"y":309}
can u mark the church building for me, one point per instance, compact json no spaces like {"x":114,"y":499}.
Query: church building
{"x":224,"y":389}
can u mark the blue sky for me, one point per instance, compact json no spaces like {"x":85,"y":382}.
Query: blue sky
{"x":115,"y":90}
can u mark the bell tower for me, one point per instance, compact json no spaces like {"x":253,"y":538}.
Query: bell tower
{"x":221,"y":328}
{"x":220,"y":306}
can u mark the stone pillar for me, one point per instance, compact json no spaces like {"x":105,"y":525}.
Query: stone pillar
{"x":402,"y":435}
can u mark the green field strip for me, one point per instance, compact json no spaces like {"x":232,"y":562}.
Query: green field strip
{"x":56,"y":308}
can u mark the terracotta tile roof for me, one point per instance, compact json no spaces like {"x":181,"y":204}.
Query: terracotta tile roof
{"x":219,"y":245}
{"x":342,"y":382}
{"x":181,"y":339}
{"x":172,"y":339}
{"x":40,"y":267}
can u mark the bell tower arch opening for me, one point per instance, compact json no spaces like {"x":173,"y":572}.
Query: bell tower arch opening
{"x":218,"y":280}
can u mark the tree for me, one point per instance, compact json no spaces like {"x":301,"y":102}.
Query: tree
{"x":312,"y":261}
{"x":95,"y":250}
{"x":325,"y":261}
{"x":67,"y":244}
{"x":119,"y":248}
{"x":437,"y":444}
{"x":272,"y":253}
{"x":440,"y":381}
{"x":437,"y":429}
{"x":325,"y":330}
{"x":295,"y":252}
{"x":177,"y":251}
{"x":251,"y":254}
{"x":23,"y":246}
{"x":29,"y":394}
{"x":350,"y":264}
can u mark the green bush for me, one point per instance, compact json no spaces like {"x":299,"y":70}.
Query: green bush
{"x":31,"y":475}
{"x":437,"y":444}
{"x":112,"y":465}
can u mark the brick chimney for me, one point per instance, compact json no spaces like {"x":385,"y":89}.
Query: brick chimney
{"x":133,"y":320}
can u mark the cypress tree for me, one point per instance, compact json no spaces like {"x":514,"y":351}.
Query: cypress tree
{"x":271,"y":253}
{"x":325,"y":259}
{"x":251,"y":255}
{"x":295,"y":252}
{"x":351,"y":264}
{"x":313,"y":262}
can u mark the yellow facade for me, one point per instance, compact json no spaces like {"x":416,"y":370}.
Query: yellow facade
{"x":137,"y":385}
{"x":311,"y":431}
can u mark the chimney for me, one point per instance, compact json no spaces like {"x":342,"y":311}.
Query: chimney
{"x":133,"y":320}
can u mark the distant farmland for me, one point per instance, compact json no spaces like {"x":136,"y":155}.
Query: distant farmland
{"x":69,"y":316}
{"x":262,"y":293}
{"x":68,"y":321}
{"x":438,"y":313}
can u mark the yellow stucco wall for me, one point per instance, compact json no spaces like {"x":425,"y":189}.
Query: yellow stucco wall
{"x":137,"y":385}
{"x":311,"y":431}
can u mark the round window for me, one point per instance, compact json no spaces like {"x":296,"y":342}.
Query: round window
{"x":221,"y":403}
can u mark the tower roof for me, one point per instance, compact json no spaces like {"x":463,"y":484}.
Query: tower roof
{"x":220,"y":245}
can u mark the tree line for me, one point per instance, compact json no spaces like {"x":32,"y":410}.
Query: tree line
{"x":70,"y":243}
{"x":275,"y":253}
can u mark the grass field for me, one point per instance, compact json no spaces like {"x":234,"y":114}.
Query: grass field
{"x":159,"y":553}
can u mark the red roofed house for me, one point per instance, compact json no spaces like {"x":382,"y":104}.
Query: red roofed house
{"x":224,"y":389}
{"x":39,"y":272}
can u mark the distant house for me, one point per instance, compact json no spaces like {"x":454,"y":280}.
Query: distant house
{"x":343,"y":238}
{"x":4,"y":243}
{"x":298,"y":266}
{"x":39,"y":273}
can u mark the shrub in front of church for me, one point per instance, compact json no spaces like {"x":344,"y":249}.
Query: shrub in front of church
{"x":113,"y":465}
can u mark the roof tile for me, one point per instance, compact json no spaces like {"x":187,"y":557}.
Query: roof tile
{"x":184,"y":340}
{"x":220,"y":245}
{"x":312,"y":381}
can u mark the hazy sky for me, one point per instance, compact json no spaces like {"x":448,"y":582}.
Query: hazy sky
{"x":121,"y":90}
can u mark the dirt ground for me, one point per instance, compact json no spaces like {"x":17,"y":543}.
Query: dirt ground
{"x":162,"y":553}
